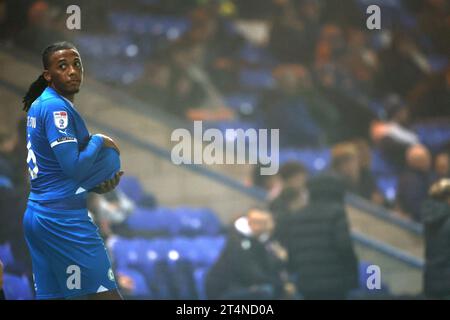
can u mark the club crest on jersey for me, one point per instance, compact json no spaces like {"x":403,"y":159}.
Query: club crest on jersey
{"x":61,"y":119}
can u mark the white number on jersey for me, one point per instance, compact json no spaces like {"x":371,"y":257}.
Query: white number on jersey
{"x":31,"y":160}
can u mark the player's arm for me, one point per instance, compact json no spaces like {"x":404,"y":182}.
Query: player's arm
{"x":74,"y":163}
{"x":61,"y":135}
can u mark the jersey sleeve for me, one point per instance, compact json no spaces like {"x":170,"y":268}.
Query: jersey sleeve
{"x":59,"y":124}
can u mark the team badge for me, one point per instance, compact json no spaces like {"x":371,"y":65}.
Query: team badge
{"x":61,"y":119}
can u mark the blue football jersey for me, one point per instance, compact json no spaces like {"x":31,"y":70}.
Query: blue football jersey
{"x":52,"y":120}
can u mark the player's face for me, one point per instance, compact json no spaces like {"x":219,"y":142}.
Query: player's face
{"x":65,"y":71}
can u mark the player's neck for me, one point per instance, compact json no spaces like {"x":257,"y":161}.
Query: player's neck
{"x":70,"y":97}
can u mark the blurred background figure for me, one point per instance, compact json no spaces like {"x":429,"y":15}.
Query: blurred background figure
{"x":251,"y":266}
{"x":2,"y":294}
{"x":393,"y":134}
{"x":442,"y":166}
{"x":414,"y":182}
{"x":272,"y":184}
{"x":110,"y":212}
{"x":436,"y":221}
{"x":294,"y":194}
{"x":367,"y":185}
{"x":320,"y":249}
{"x":351,"y":162}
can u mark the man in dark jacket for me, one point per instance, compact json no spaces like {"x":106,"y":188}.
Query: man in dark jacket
{"x":414,"y":182}
{"x":251,"y":265}
{"x":294,"y":195}
{"x":319,"y":245}
{"x":436,"y":220}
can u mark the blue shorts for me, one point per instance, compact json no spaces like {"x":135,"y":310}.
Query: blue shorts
{"x":68,"y":255}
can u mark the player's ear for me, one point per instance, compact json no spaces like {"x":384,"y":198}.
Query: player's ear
{"x":47,"y":76}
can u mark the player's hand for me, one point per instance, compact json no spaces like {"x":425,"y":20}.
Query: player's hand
{"x":109,"y":143}
{"x":108,"y":185}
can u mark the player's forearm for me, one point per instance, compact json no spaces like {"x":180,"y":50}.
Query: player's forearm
{"x":74,"y":163}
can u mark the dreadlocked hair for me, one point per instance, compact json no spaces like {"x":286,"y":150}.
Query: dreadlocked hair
{"x":39,"y":85}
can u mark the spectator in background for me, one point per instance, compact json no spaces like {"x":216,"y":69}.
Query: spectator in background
{"x":429,"y":99}
{"x":414,"y":182}
{"x":350,"y":164}
{"x":294,"y":194}
{"x":441,"y":166}
{"x":399,"y":69}
{"x":294,"y":31}
{"x":271,"y":184}
{"x":368,"y":187}
{"x":320,"y":249}
{"x":251,"y":265}
{"x":110,"y":211}
{"x":436,"y":220}
{"x":393,"y":136}
{"x":286,"y":109}
{"x":12,"y":17}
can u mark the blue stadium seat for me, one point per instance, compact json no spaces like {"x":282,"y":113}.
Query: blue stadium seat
{"x":433,"y":135}
{"x":111,"y":46}
{"x":125,"y":252}
{"x":381,"y":166}
{"x":158,"y":220}
{"x":132,"y":188}
{"x":181,"y":271}
{"x":6,"y":255}
{"x":167,"y":27}
{"x":200,"y":282}
{"x":255,"y":55}
{"x":256,"y":79}
{"x":140,"y":289}
{"x":194,"y":221}
{"x":244,"y":103}
{"x":211,"y":224}
{"x":196,"y":257}
{"x":153,"y":264}
{"x":211,"y":247}
{"x":117,"y":70}
{"x":173,"y":268}
{"x":387,"y":184}
{"x":17,"y":287}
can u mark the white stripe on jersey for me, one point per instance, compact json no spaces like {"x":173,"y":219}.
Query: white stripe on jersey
{"x":56,"y":142}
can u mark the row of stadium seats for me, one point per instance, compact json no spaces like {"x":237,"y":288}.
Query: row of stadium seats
{"x":175,"y":221}
{"x":16,"y":287}
{"x":170,"y":27}
{"x":182,"y":243}
{"x":167,"y":268}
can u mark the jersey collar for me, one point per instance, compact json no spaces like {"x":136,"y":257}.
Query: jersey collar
{"x":68,"y":101}
{"x":54,"y":92}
